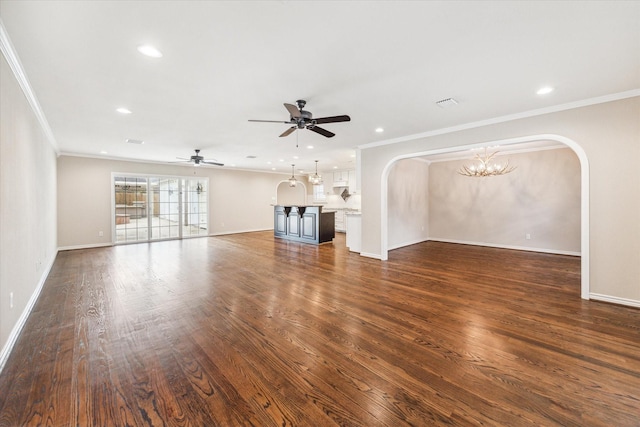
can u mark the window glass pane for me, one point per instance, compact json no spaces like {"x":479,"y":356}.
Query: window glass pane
{"x":148,"y":208}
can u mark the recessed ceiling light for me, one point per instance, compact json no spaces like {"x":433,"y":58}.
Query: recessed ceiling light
{"x":268,"y":163}
{"x":379,"y":130}
{"x":135,"y":141}
{"x":544,"y":90}
{"x":353,"y":155}
{"x":122,"y":110}
{"x":273,"y":169}
{"x":310,"y":147}
{"x":233,"y":165}
{"x":149,"y":50}
{"x":281,"y":160}
{"x":295,"y":157}
{"x":335,"y":167}
{"x":103,"y":152}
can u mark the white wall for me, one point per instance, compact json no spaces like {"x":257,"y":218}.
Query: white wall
{"x":609,"y":135}
{"x":239,"y":201}
{"x":541,"y":197}
{"x":27,"y":206}
{"x":408,"y":196}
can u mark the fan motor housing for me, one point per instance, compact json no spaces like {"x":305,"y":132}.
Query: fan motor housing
{"x":305,"y":117}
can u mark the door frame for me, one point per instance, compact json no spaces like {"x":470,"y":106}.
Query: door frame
{"x":584,"y":196}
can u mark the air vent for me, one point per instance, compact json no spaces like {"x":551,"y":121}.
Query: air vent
{"x":251,"y":157}
{"x":446,"y":103}
{"x":135,"y":141}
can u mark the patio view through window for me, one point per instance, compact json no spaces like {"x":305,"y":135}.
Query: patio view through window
{"x":150,"y":208}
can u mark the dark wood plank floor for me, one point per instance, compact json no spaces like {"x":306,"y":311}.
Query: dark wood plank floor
{"x":245,"y":330}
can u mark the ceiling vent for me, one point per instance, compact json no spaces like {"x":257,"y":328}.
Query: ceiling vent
{"x":135,"y":141}
{"x":446,"y":103}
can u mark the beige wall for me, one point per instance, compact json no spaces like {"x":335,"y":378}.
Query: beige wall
{"x":408,"y":196}
{"x":291,"y":196}
{"x":540,"y":198}
{"x":239,"y":201}
{"x":609,"y":135}
{"x":27,"y":205}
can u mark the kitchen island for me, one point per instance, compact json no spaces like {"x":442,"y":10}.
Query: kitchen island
{"x":306,"y":224}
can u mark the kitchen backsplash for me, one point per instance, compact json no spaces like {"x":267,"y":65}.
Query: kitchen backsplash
{"x":334,"y":201}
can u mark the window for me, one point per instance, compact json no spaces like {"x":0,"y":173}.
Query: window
{"x":318,"y":193}
{"x":156,"y":208}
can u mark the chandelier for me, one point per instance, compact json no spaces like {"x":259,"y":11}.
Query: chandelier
{"x":292,"y":181}
{"x":315,"y":179}
{"x":484,"y":165}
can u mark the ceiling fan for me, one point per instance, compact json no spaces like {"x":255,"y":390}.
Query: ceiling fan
{"x":198,"y":160}
{"x":301,"y":119}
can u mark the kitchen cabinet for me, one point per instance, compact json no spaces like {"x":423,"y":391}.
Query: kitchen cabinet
{"x":352,"y":182}
{"x":354,"y":231}
{"x":306,"y":224}
{"x":340,"y":176}
{"x":341,"y":225}
{"x":346,"y":179}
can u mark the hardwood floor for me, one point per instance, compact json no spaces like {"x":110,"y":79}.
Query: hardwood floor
{"x":248,"y":330}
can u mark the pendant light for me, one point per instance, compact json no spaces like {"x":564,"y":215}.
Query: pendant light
{"x":292,"y":181}
{"x":316,"y":179}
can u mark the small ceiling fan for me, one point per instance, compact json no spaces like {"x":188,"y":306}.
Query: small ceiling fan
{"x":301,"y":119}
{"x":198,"y":160}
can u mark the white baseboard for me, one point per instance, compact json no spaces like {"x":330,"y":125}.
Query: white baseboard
{"x":369,"y":255}
{"x":402,"y":245}
{"x":89,"y":246}
{"x":17,"y":328}
{"x":517,"y":248}
{"x":104,"y":245}
{"x":224,"y":233}
{"x":615,"y":300}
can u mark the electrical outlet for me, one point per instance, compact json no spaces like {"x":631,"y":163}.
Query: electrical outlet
{"x":527,"y":236}
{"x":100,"y":234}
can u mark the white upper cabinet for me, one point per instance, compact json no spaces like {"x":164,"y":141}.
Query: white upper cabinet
{"x":346,"y":178}
{"x":353,"y":188}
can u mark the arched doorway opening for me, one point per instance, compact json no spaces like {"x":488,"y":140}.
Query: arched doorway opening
{"x":584,"y":190}
{"x":291,"y":196}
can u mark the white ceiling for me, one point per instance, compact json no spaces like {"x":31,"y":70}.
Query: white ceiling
{"x":384,"y":63}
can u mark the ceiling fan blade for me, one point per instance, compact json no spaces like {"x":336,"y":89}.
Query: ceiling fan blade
{"x":182,"y":158}
{"x":321,"y":131}
{"x":288,"y":131}
{"x":293,"y":110}
{"x":270,"y":121}
{"x":212,"y":163}
{"x":333,"y":119}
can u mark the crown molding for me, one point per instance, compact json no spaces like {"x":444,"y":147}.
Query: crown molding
{"x":9,"y":52}
{"x":531,"y":113}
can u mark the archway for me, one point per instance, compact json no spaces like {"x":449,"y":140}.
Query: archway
{"x":291,"y":196}
{"x":584,"y":204}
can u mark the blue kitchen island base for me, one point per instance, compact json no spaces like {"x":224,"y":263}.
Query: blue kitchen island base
{"x":306,"y":224}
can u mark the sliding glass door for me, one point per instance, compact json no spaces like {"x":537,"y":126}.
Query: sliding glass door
{"x":156,"y":208}
{"x":194,"y":207}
